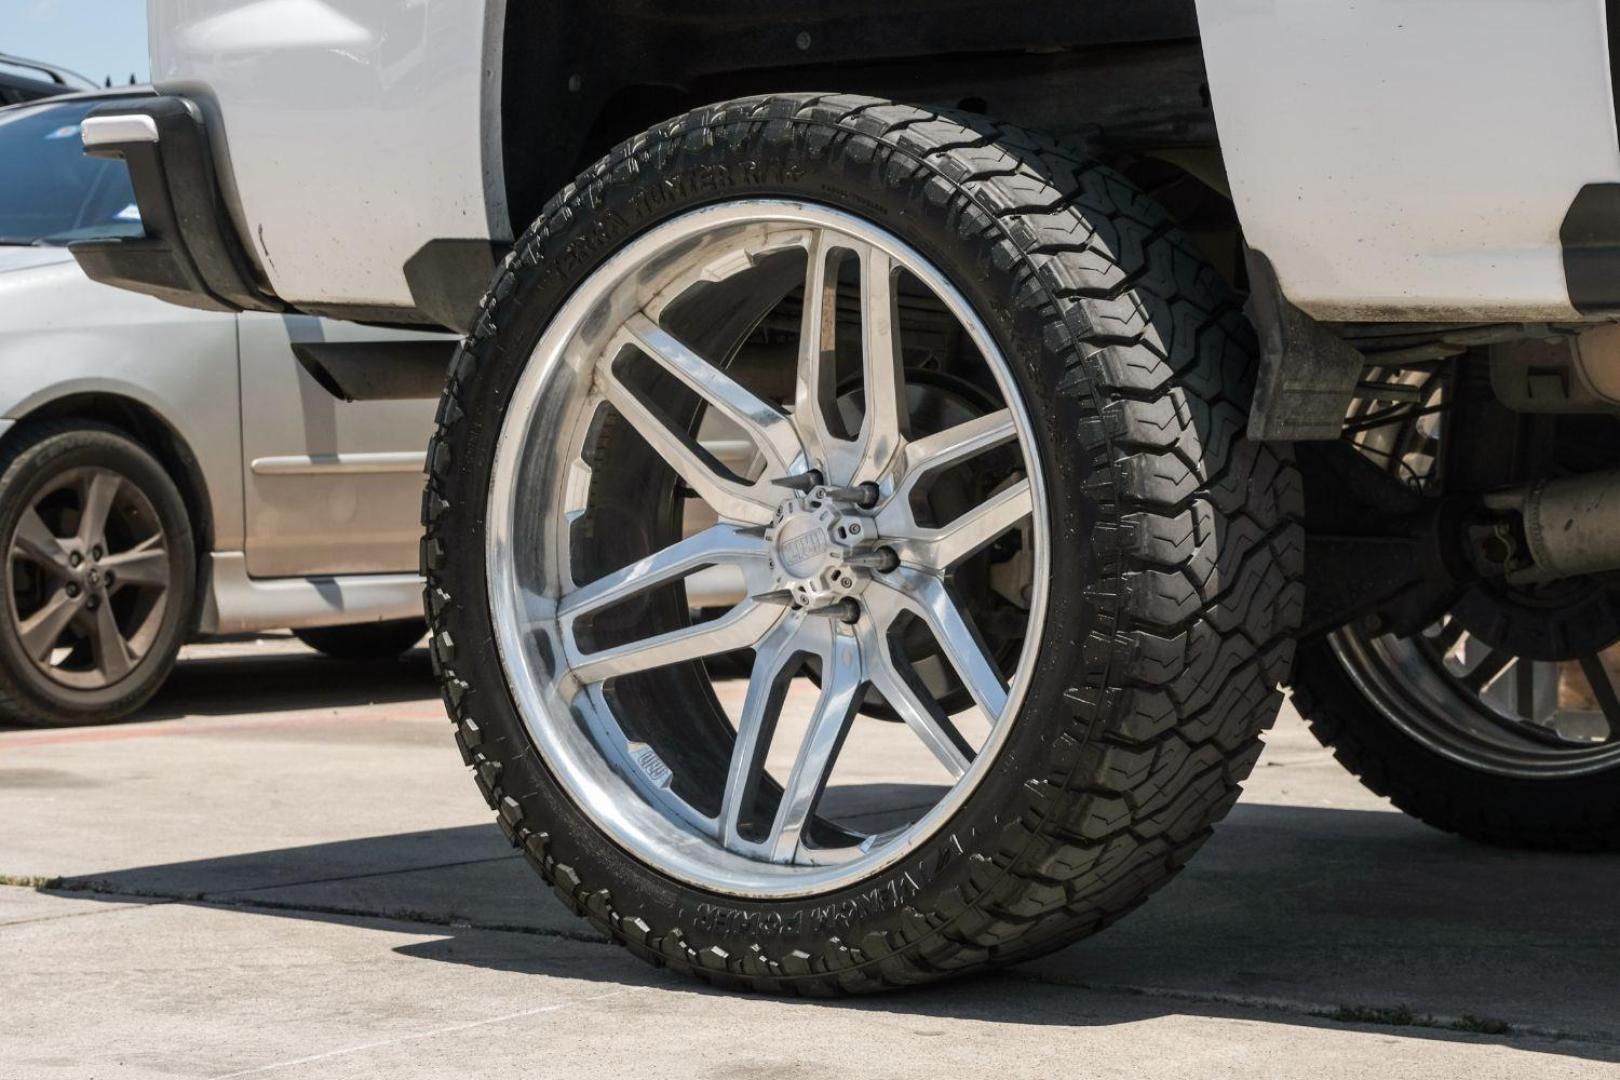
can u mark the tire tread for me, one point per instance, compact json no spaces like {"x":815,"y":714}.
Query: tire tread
{"x":1180,"y":676}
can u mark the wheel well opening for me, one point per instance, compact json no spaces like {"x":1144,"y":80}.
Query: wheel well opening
{"x":147,"y":428}
{"x":1120,"y":76}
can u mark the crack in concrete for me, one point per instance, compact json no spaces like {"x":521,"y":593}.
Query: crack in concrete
{"x":1327,"y":1013}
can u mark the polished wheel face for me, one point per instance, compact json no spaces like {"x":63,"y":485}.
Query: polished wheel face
{"x":1461,"y":689}
{"x":89,"y":578}
{"x":859,"y":547}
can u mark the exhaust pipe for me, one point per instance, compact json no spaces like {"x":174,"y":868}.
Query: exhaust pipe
{"x":1568,"y":527}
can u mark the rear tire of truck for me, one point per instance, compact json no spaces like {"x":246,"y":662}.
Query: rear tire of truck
{"x":1002,"y":491}
{"x":1499,"y":720}
{"x":1442,"y":753}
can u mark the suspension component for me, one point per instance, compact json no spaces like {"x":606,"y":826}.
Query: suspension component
{"x":1570,"y":526}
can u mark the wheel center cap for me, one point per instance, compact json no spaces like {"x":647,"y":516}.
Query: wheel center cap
{"x":811,"y":540}
{"x":802,"y":545}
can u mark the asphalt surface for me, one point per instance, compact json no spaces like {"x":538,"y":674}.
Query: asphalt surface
{"x":281,"y":869}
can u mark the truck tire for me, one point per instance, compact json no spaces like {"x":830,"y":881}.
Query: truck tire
{"x":1159,"y":550}
{"x":98,"y":577}
{"x":1453,"y":757}
{"x":364,"y":641}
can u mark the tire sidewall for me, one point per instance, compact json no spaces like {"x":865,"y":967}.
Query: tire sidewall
{"x":1577,"y":812}
{"x":654,"y":183}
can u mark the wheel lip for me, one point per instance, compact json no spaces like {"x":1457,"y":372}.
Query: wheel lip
{"x":611,"y":803}
{"x":1387,"y":681}
{"x":13,"y":619}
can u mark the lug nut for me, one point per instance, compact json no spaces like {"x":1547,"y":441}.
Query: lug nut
{"x":864,"y":495}
{"x":882,"y":560}
{"x":72,"y":590}
{"x":95,"y":552}
{"x":108,"y":579}
{"x":846,"y":610}
{"x":800,"y":482}
{"x":75,"y":559}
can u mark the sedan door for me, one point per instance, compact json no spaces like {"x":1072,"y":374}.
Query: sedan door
{"x":331,"y":487}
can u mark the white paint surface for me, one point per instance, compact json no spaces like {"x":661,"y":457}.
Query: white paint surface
{"x":1412,"y":159}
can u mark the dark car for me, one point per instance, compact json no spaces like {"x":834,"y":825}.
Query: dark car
{"x":29,"y":80}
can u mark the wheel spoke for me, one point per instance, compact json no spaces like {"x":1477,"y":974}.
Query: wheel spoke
{"x":740,"y":628}
{"x":1524,"y":688}
{"x":815,"y":383}
{"x":691,"y":462}
{"x":841,"y":685}
{"x":98,"y":497}
{"x":35,"y":542}
{"x":956,"y":444}
{"x":41,"y":630}
{"x":147,"y":563}
{"x":1447,"y":637}
{"x":928,"y":598}
{"x":111,"y":651}
{"x":883,"y":385}
{"x":942,"y":548}
{"x":717,"y":545}
{"x":767,"y":688}
{"x":1482,"y":674}
{"x":912,"y":702}
{"x":1602,"y":683}
{"x":764,"y":423}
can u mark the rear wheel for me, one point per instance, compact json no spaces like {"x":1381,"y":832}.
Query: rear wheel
{"x":98,"y":575}
{"x":1471,"y":738}
{"x":366,"y":641}
{"x":945,"y":427}
{"x":1501,"y":719}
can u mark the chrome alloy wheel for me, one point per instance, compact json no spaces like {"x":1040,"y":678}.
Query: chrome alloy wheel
{"x":828,"y":534}
{"x":89,"y":578}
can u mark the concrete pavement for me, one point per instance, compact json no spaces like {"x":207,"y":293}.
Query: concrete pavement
{"x":282,"y":869}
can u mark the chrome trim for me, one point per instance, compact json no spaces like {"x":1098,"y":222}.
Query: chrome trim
{"x":389,"y":461}
{"x":117,"y":130}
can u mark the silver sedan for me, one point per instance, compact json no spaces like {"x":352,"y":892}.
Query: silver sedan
{"x":169,"y":473}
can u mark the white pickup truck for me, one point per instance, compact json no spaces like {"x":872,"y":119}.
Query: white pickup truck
{"x":1099,"y":368}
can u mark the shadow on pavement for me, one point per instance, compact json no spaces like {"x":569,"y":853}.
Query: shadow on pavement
{"x":1298,"y":911}
{"x":224,"y":684}
{"x":219,"y":685}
